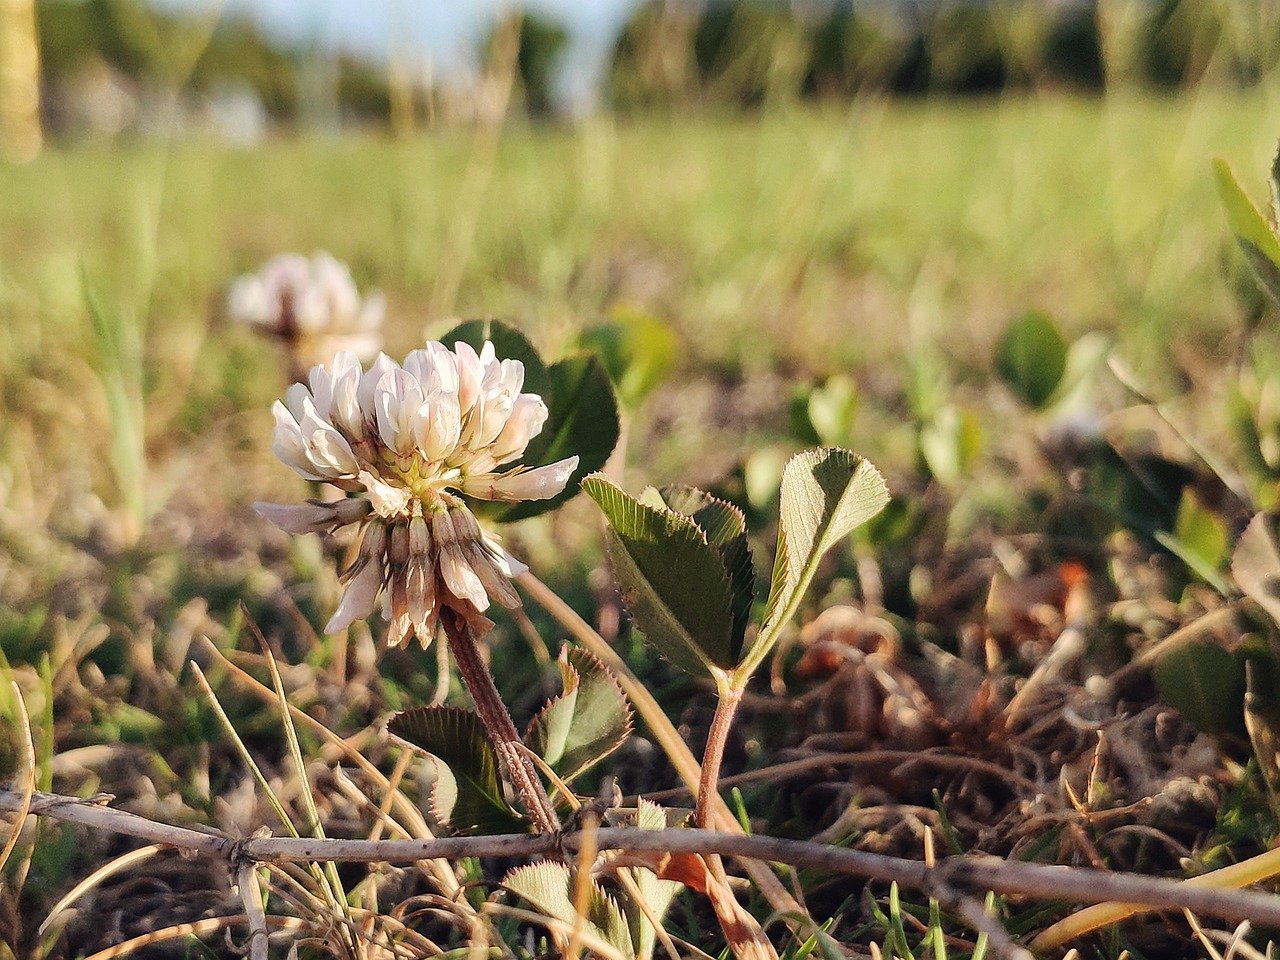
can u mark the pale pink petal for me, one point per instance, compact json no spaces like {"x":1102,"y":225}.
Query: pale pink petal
{"x":249,"y":302}
{"x":381,"y":366}
{"x":528,"y":414}
{"x":371,"y":314}
{"x":296,"y":399}
{"x":541,"y":483}
{"x":512,"y":376}
{"x":388,"y":501}
{"x":438,"y":425}
{"x":459,"y":579}
{"x":346,"y":413}
{"x":327,"y":449}
{"x":470,"y":376}
{"x":359,"y":598}
{"x":296,"y":517}
{"x":396,"y":401}
{"x":288,"y":445}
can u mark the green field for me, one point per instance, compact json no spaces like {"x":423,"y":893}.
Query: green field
{"x":795,"y":242}
{"x":892,"y":242}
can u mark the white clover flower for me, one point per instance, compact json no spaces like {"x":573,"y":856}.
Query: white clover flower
{"x":312,"y":304}
{"x":407,"y":440}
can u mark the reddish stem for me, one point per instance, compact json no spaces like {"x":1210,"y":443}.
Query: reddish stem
{"x":713,"y":756}
{"x":497,"y":722}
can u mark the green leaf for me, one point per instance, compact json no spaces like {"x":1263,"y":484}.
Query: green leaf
{"x":467,"y":793}
{"x":1199,"y":538}
{"x":1086,"y":357}
{"x":509,"y":344}
{"x":582,"y":422}
{"x":1031,"y":358}
{"x":726,"y":530}
{"x":656,"y":892}
{"x":548,"y":886}
{"x":673,"y":582}
{"x":1255,"y":564}
{"x":826,"y":495}
{"x":636,"y":349}
{"x":832,"y":408}
{"x":762,"y":475}
{"x":1205,"y":683}
{"x":586,"y":723}
{"x":1253,"y":233}
{"x":950,"y":443}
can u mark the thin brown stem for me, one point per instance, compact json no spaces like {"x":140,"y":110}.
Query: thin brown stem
{"x":969,"y":873}
{"x":497,"y":723}
{"x":713,"y":756}
{"x":251,"y":897}
{"x":668,"y":737}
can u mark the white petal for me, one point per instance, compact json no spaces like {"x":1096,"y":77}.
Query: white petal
{"x":287,"y":444}
{"x":363,"y":345}
{"x":396,"y":402}
{"x":541,"y":483}
{"x":388,"y":501}
{"x":528,"y":415}
{"x":359,"y":598}
{"x":504,"y":561}
{"x":372,"y":312}
{"x":512,"y":376}
{"x":249,"y":302}
{"x":381,"y":365}
{"x":320,"y":380}
{"x":310,"y":310}
{"x":470,"y":375}
{"x":435,"y":366}
{"x":327,"y":449}
{"x":296,"y":398}
{"x":438,"y":425}
{"x":459,"y":579}
{"x":496,"y":410}
{"x":514,"y":567}
{"x":346,"y":413}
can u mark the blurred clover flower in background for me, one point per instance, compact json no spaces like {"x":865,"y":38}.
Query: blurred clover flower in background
{"x":312,"y":305}
{"x":408,"y":440}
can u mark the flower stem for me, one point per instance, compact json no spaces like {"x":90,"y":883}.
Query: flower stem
{"x":497,"y":722}
{"x":713,"y":756}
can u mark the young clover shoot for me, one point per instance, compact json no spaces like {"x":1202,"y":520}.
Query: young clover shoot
{"x":418,"y":447}
{"x":682,"y":560}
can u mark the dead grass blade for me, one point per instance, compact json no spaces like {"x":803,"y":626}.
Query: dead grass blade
{"x":28,"y":780}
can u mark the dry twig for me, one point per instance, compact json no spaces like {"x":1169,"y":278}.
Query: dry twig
{"x":1030,"y":880}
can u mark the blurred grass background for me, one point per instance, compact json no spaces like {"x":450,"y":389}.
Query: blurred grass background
{"x":802,"y":241}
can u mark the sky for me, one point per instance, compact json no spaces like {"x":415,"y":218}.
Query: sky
{"x":446,"y":31}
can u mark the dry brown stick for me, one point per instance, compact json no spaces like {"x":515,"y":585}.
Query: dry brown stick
{"x":251,"y":897}
{"x":1031,"y":880}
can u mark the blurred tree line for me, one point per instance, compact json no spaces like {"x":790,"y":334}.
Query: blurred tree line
{"x":149,"y":47}
{"x":743,"y":53}
{"x":674,"y":52}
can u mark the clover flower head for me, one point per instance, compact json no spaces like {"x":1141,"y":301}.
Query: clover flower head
{"x":406,"y":441}
{"x":312,"y":304}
